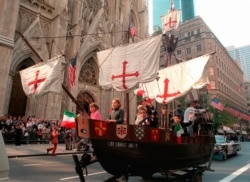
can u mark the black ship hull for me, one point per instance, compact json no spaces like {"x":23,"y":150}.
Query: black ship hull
{"x":142,"y":151}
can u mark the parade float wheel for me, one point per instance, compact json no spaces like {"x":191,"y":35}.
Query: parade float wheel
{"x":197,"y":177}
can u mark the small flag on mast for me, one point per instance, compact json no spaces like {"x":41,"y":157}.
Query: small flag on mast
{"x":170,"y":21}
{"x":132,"y":29}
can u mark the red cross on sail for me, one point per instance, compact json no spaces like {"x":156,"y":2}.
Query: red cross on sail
{"x":170,"y":85}
{"x":124,"y":67}
{"x":36,"y":81}
{"x":124,"y":75}
{"x":166,"y":94}
{"x":43,"y":77}
{"x":170,"y":21}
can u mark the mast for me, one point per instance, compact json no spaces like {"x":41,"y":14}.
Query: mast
{"x":170,"y":23}
{"x":73,"y":99}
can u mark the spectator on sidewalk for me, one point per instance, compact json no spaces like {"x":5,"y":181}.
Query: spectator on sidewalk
{"x":68,"y":138}
{"x":18,"y":135}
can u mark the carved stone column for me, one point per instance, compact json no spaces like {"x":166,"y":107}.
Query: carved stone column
{"x":7,"y":31}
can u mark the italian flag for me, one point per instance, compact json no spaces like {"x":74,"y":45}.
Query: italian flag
{"x":68,"y":120}
{"x":178,"y":129}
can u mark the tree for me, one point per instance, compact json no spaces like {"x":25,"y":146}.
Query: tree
{"x":222,"y":118}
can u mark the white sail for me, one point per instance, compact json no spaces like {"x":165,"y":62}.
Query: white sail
{"x":175,"y":81}
{"x":125,"y":66}
{"x":43,"y":77}
{"x":171,"y":21}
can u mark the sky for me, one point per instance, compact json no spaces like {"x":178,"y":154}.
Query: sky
{"x":227,"y":19}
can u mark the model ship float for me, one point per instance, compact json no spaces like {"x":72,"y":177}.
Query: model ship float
{"x":135,"y":150}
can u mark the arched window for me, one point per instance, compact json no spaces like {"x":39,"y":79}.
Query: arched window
{"x":89,"y":73}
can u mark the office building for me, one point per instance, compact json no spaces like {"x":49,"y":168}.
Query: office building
{"x":187,"y":8}
{"x":246,"y":91}
{"x":242,"y":56}
{"x":196,"y":39}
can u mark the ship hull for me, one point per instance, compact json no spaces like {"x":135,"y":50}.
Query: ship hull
{"x":142,"y":151}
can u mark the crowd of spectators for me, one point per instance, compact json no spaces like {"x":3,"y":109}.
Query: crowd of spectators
{"x":28,"y":130}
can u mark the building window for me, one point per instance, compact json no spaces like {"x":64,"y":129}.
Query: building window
{"x":178,"y":52}
{"x":198,"y":48}
{"x":188,"y":50}
{"x":212,"y":84}
{"x":209,"y":46}
{"x":211,"y":71}
{"x":88,"y":73}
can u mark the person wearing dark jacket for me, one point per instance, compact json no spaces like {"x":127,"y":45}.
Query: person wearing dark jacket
{"x":18,"y":135}
{"x":117,"y":113}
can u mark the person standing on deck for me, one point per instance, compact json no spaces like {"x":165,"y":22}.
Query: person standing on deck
{"x":190,"y":116}
{"x":117,"y":113}
{"x":177,"y":128}
{"x":94,"y":111}
{"x":188,"y":119}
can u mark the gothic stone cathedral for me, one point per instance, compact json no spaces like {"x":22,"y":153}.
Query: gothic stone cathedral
{"x":32,"y":31}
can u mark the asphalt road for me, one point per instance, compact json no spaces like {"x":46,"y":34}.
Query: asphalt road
{"x":61,"y":168}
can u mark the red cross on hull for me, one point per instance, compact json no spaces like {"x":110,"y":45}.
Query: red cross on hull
{"x":124,"y":75}
{"x":166,"y":94}
{"x":36,"y":81}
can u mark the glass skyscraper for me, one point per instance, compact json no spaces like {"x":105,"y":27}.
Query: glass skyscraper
{"x":242,"y":56}
{"x":158,"y":8}
{"x":187,"y":8}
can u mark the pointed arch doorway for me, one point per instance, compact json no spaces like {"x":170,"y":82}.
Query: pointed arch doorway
{"x":84,"y":99}
{"x":18,"y":99}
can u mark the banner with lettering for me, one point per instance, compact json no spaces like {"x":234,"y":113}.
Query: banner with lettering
{"x":43,"y":77}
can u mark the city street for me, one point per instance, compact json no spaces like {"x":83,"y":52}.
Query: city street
{"x":61,"y":168}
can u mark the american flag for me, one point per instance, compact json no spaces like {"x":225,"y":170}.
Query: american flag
{"x":217,"y":104}
{"x":72,"y":72}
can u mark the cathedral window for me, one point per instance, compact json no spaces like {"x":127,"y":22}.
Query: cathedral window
{"x":88,"y":73}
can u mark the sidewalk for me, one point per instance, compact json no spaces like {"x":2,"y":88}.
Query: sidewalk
{"x":28,"y":150}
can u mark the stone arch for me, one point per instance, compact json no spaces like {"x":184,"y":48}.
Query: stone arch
{"x":88,"y":74}
{"x":18,"y":99}
{"x":84,"y":98}
{"x":89,"y":67}
{"x":15,"y":97}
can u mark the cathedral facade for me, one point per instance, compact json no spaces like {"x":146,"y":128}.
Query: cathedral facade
{"x":33,"y":31}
